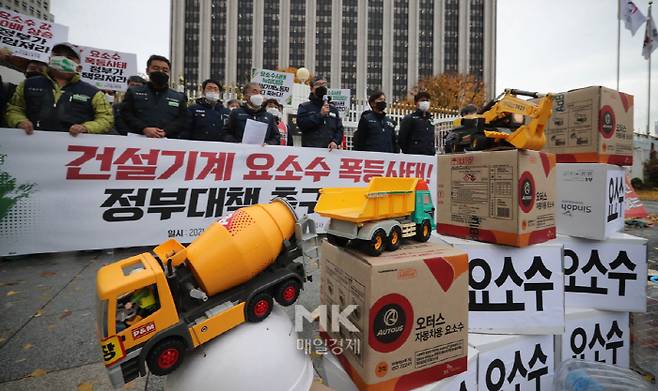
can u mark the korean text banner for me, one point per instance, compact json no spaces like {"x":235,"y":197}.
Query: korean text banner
{"x":107,"y":69}
{"x":62,"y":193}
{"x":29,"y":37}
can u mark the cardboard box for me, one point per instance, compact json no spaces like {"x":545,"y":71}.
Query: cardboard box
{"x":411,"y":316}
{"x":336,"y":377}
{"x":513,"y":290}
{"x":606,"y":275}
{"x":503,"y":197}
{"x":593,"y":335}
{"x":591,"y":125}
{"x":590,"y":199}
{"x":514,"y":362}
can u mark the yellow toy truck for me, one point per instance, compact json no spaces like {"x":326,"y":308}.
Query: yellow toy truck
{"x":380,"y":215}
{"x":154,"y":307}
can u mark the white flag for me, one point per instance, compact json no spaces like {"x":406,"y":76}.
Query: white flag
{"x":631,"y":15}
{"x":650,"y":38}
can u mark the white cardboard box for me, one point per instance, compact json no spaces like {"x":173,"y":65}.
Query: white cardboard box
{"x":508,"y":361}
{"x":606,"y":275}
{"x":590,"y":199}
{"x":335,"y":376}
{"x":513,"y":290}
{"x":593,"y":335}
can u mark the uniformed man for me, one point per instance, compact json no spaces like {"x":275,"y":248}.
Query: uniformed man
{"x":319,"y":120}
{"x":376,"y":131}
{"x":154,"y":109}
{"x":58,"y":100}
{"x":252,"y":109}
{"x":206,"y":118}
{"x":416,"y":129}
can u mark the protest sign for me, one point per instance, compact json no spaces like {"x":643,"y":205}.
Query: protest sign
{"x":107,"y":69}
{"x":277,"y":85}
{"x":341,"y":98}
{"x":29,"y":37}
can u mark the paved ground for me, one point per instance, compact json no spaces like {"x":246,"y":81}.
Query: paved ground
{"x":47,"y":327}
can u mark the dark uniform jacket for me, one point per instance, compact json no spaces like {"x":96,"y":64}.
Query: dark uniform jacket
{"x":376,"y":132}
{"x":417,"y":134}
{"x":147,"y":107}
{"x":234,"y":127}
{"x":205,"y":121}
{"x":319,"y":131}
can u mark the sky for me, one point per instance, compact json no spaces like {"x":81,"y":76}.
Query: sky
{"x":542,"y":45}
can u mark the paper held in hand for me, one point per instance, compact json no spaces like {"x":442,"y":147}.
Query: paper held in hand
{"x":254,"y":132}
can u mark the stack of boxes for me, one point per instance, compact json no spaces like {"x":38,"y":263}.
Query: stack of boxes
{"x":605,"y":270}
{"x":488,"y":202}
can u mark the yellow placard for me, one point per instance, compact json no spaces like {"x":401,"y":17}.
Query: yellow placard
{"x":112,"y":350}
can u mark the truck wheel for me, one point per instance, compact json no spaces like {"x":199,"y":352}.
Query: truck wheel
{"x":166,"y":356}
{"x":423,"y":231}
{"x":394,"y":238}
{"x":259,"y":307}
{"x":287,"y":292}
{"x":376,"y":245}
{"x":337,"y":240}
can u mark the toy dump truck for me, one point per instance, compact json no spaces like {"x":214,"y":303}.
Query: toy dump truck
{"x":154,"y":307}
{"x":380,"y":215}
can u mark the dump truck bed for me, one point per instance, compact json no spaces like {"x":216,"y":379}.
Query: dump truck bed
{"x":383,"y":198}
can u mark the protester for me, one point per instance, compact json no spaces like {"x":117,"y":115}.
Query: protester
{"x":154,"y":109}
{"x":319,"y":120}
{"x":252,"y":109}
{"x":376,"y":131}
{"x":416,"y":129}
{"x":120,"y":126}
{"x":207,"y":117}
{"x":232,"y":104}
{"x":275,"y":108}
{"x":35,"y":68}
{"x":59,"y":100}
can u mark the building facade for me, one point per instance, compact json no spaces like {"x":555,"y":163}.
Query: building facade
{"x":363,"y":45}
{"x":36,"y":8}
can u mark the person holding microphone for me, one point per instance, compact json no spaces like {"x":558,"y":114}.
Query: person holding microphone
{"x":319,"y":120}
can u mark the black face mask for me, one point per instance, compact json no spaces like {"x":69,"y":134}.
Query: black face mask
{"x":158,"y":78}
{"x":32,"y":74}
{"x":320,"y":92}
{"x":380,"y":106}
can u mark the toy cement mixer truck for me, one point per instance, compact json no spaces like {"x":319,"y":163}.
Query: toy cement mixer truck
{"x":380,"y":215}
{"x":154,"y":307}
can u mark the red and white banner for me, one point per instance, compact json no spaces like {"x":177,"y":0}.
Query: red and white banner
{"x":61,"y":193}
{"x":29,"y":37}
{"x":634,"y":209}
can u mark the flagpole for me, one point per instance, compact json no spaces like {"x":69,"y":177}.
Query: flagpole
{"x":649,"y":86}
{"x":618,"y":39}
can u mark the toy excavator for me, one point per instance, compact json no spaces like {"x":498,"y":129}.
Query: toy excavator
{"x":502,"y":123}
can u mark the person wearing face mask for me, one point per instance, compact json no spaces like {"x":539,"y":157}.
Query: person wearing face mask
{"x":154,"y":109}
{"x":319,"y":120}
{"x":232,"y":104}
{"x":35,"y":68}
{"x":119,"y":126}
{"x":416,"y":129}
{"x":206,"y":118}
{"x":252,"y":109}
{"x":275,"y":108}
{"x":58,"y":100}
{"x":376,"y":131}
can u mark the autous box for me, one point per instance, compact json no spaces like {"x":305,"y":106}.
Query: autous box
{"x":411,"y":314}
{"x":501,"y":197}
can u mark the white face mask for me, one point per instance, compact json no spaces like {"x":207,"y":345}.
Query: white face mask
{"x":424,"y":105}
{"x":274,"y":111}
{"x":211,"y":96}
{"x":109,"y":98}
{"x":257,"y":100}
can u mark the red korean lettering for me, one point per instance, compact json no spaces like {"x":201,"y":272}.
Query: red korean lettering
{"x":350,"y":169}
{"x":143,"y":165}
{"x":289,"y":166}
{"x":316,"y":173}
{"x":373,"y":168}
{"x":218,"y":163}
{"x":258,"y":165}
{"x":88,"y":153}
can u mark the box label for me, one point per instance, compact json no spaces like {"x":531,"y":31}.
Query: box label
{"x":603,"y":338}
{"x":605,"y":275}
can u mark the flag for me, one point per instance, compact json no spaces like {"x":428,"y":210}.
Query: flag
{"x":631,"y":15}
{"x":650,"y":37}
